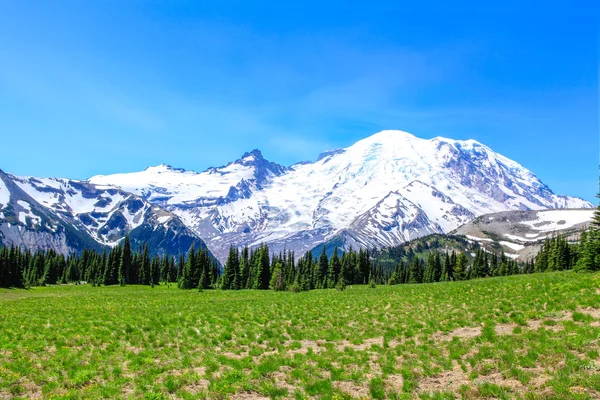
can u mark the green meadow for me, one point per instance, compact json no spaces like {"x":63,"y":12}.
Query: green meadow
{"x":527,"y":336}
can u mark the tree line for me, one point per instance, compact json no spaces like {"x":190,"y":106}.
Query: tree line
{"x":119,"y":266}
{"x":258,"y":268}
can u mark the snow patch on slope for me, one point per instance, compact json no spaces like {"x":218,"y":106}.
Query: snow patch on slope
{"x":548,"y":221}
{"x":27,"y":213}
{"x":4,"y":194}
{"x":514,"y":246}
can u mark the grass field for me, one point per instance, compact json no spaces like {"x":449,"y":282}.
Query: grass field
{"x":533,"y":336}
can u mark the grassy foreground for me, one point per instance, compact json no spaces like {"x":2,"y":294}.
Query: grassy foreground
{"x":532,"y":336}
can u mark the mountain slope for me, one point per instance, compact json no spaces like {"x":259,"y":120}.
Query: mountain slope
{"x":382,"y":190}
{"x":68,"y":215}
{"x":520,"y":233}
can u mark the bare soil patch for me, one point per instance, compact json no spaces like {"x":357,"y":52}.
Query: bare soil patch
{"x":248,"y":396}
{"x":496,"y":378}
{"x":463,"y":333}
{"x":197,"y":387}
{"x":446,"y":381}
{"x":354,"y":390}
{"x":505,"y":329}
{"x":395,"y":382}
{"x":365,"y":345}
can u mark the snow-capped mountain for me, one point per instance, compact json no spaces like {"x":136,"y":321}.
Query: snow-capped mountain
{"x":69,"y":215}
{"x":381,"y":191}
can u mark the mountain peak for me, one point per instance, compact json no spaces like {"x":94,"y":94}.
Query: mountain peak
{"x":391,"y":134}
{"x":253,"y":155}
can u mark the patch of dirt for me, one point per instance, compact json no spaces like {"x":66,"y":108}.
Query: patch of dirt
{"x":126,"y":372}
{"x":229,"y":354}
{"x":395,"y":383}
{"x":446,"y":381}
{"x":496,"y":378}
{"x":316,"y":346}
{"x":365,"y":345}
{"x":197,"y":387}
{"x":505,"y":329}
{"x":348,"y":387}
{"x":248,"y":396}
{"x":127,"y":391}
{"x":5,"y":395}
{"x":281,"y":380}
{"x":133,"y":349}
{"x":222,"y":371}
{"x":374,"y":368}
{"x":32,"y":391}
{"x":463,"y":333}
{"x":536,"y":324}
{"x":539,"y":377}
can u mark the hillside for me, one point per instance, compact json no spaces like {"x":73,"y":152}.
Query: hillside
{"x":68,"y":215}
{"x":520,"y":233}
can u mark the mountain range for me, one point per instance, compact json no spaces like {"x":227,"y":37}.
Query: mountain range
{"x":69,"y":215}
{"x":381,"y":191}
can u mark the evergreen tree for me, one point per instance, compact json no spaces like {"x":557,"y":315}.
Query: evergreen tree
{"x":322,"y":270}
{"x":334,"y":269}
{"x":187,"y":280}
{"x":125,"y":262}
{"x":244,"y":269}
{"x":230,"y":278}
{"x":263,"y":273}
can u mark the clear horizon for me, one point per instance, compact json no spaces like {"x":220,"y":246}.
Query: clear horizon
{"x":101,"y":88}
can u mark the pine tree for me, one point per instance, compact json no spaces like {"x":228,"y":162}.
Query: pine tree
{"x":187,"y":281}
{"x":334,"y":269}
{"x":263,"y":273}
{"x":244,"y":269}
{"x":125,"y":262}
{"x":460,"y":271}
{"x":277,"y":280}
{"x":230,"y":278}
{"x":322,"y":270}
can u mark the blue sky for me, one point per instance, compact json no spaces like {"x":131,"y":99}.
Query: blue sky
{"x":112,"y":86}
